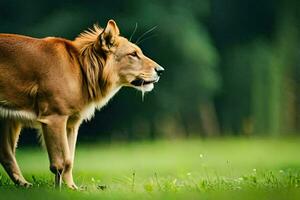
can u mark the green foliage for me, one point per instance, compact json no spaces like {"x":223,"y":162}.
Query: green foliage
{"x":229,"y":69}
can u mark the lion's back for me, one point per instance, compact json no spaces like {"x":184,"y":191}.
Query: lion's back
{"x":43,"y":64}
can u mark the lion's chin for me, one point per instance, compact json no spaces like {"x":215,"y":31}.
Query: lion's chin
{"x":145,"y":88}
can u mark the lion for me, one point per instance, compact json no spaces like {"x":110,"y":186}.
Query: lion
{"x":54,"y":84}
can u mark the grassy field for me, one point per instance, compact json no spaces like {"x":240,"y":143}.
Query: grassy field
{"x":192,"y":169}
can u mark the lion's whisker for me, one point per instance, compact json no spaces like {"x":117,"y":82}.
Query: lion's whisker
{"x":142,"y":40}
{"x":144,"y":34}
{"x":134,"y":31}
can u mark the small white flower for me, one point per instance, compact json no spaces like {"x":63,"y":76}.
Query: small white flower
{"x":201,"y":155}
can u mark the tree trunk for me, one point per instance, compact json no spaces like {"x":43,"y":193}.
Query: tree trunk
{"x":210,"y":123}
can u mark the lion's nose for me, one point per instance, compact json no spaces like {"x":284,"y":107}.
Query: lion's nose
{"x":159,"y":70}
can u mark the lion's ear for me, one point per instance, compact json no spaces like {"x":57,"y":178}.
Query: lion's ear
{"x":108,"y":36}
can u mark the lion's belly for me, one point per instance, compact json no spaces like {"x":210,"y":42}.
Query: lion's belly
{"x":27,"y":118}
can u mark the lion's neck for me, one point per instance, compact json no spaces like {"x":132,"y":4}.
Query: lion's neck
{"x":99,"y":86}
{"x":106,"y":97}
{"x":89,"y":111}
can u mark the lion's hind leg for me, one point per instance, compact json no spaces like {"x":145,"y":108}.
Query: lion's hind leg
{"x":9,"y":135}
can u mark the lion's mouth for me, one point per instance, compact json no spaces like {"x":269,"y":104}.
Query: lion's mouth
{"x":140,"y":82}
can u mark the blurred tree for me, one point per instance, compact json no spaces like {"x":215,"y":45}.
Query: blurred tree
{"x":191,"y":64}
{"x":231,"y":67}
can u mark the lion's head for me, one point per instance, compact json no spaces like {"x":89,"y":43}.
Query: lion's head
{"x":117,"y":61}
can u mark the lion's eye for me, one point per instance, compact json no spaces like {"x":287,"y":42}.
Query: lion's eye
{"x":133,"y":54}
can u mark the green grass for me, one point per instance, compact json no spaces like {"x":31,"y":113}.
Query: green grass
{"x":192,"y":169}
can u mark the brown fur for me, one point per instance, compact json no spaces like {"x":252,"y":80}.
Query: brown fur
{"x":53,"y":84}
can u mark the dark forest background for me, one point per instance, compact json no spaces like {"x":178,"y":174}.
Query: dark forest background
{"x":232,"y":66}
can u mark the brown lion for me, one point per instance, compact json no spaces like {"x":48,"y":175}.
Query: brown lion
{"x":53,"y":84}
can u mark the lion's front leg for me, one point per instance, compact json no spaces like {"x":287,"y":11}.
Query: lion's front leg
{"x":72,"y":132}
{"x":55,"y":135}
